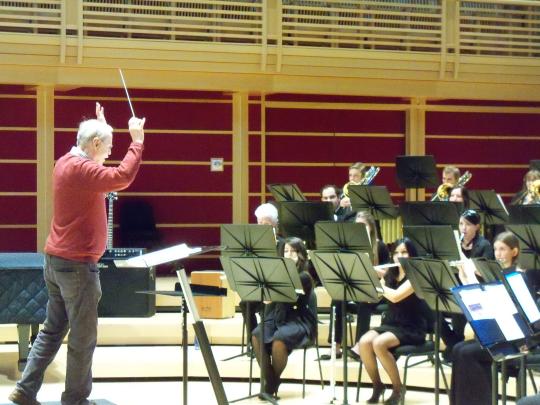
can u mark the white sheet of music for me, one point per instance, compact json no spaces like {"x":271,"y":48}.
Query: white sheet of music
{"x":167,"y":255}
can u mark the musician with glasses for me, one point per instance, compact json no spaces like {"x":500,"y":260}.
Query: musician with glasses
{"x":75,"y":244}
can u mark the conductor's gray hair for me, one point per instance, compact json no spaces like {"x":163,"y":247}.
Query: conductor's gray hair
{"x":267,"y":211}
{"x":90,"y":129}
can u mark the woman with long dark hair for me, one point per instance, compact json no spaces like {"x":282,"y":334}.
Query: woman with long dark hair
{"x":287,"y":326}
{"x":403,"y":323}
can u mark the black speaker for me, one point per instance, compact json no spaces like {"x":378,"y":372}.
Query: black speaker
{"x":119,"y":286}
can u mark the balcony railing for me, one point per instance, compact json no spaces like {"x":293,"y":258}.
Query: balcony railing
{"x":481,"y":27}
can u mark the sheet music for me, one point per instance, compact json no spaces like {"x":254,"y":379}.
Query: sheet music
{"x":523,"y":295}
{"x":502,"y":203}
{"x":167,"y":255}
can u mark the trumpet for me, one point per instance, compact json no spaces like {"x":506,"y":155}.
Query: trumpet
{"x":367,"y":179}
{"x":443,"y":191}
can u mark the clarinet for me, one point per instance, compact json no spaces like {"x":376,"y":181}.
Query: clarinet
{"x":110,"y":197}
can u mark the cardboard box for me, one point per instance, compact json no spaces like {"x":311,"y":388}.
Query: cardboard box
{"x":213,"y":307}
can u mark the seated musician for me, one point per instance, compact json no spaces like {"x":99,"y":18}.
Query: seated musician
{"x":528,"y":195}
{"x":381,"y":255}
{"x":266,"y":214}
{"x":405,"y":322}
{"x":471,"y":369}
{"x":356,"y":175}
{"x":287,"y":326}
{"x":460,"y":194}
{"x":473,"y":245}
{"x":330,"y":193}
{"x":450,"y":175}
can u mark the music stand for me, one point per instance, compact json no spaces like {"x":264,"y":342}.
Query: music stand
{"x":171,"y":255}
{"x":489,"y":205}
{"x":373,"y":199}
{"x":346,"y":277}
{"x":261,"y":279}
{"x":416,"y":172}
{"x":430,"y":213}
{"x":342,"y":237}
{"x":434,"y":241}
{"x":524,"y":214}
{"x":286,"y":192}
{"x":431,"y":281}
{"x":490,"y":270}
{"x":245,"y":241}
{"x":534,"y":165}
{"x":298,"y":218}
{"x":529,"y":244}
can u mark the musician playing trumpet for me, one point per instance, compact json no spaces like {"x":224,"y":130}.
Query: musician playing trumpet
{"x":356,"y":175}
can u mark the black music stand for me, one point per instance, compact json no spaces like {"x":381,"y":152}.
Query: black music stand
{"x":373,"y":199}
{"x":298,"y":218}
{"x":173,"y":255}
{"x":286,"y":192}
{"x":529,"y":244}
{"x":434,"y":241}
{"x":489,"y":205}
{"x":524,"y":214}
{"x":534,"y":164}
{"x":416,"y":172}
{"x":342,"y":237}
{"x":490,"y":270}
{"x":431,"y":281}
{"x":262,"y":279}
{"x":245,"y":241}
{"x":430,"y":213}
{"x":346,"y":277}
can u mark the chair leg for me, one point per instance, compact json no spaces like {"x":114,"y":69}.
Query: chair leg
{"x":304,"y":375}
{"x":404,"y":385}
{"x":319,"y":361}
{"x":359,"y":381}
{"x":250,"y":372}
{"x":531,"y":376}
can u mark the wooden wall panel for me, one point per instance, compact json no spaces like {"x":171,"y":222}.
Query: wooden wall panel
{"x":18,"y":144}
{"x":18,"y":240}
{"x":495,"y":146}
{"x":18,"y":210}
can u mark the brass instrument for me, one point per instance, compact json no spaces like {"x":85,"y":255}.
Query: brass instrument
{"x":533,"y":193}
{"x":443,"y":191}
{"x":367,"y":179}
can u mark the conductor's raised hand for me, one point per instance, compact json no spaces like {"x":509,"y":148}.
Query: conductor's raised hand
{"x":100,"y":113}
{"x":136,"y":129}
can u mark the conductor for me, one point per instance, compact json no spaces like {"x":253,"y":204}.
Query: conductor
{"x":75,"y":243}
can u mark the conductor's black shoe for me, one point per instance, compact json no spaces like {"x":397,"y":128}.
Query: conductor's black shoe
{"x":20,"y":398}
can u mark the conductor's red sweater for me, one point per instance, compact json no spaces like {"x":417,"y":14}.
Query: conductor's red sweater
{"x":79,"y":223}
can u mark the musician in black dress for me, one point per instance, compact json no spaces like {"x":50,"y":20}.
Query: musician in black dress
{"x":381,"y":255}
{"x":471,"y":368}
{"x":287,"y":326}
{"x":473,"y":245}
{"x":405,"y":322}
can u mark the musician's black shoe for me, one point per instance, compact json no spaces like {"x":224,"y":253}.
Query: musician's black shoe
{"x":353,"y":355}
{"x":329,"y":356}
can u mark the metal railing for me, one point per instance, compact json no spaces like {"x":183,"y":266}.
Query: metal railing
{"x":481,"y":27}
